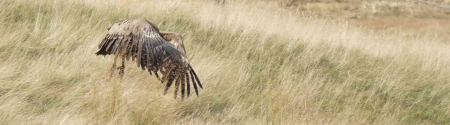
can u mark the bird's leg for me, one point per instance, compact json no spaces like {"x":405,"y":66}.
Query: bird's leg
{"x":122,"y":69}
{"x":113,"y":66}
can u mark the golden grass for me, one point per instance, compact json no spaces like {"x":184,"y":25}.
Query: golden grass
{"x":259,"y":64}
{"x":406,"y":18}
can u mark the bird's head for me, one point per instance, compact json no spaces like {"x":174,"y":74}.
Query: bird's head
{"x":176,"y":40}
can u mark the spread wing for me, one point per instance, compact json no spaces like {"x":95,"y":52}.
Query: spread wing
{"x":141,"y":41}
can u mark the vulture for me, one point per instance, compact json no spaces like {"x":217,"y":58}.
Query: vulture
{"x":157,"y":51}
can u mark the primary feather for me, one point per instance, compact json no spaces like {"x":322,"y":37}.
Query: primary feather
{"x":159,"y":52}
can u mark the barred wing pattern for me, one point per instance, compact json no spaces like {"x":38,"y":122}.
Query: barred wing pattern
{"x":141,"y":41}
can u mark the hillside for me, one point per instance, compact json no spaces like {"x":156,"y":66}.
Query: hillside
{"x":406,"y":18}
{"x":260,"y":63}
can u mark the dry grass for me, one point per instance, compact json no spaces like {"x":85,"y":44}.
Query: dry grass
{"x":259,"y":64}
{"x":406,"y":18}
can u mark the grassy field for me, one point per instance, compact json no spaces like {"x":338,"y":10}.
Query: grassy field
{"x":412,"y":18}
{"x":260,"y":63}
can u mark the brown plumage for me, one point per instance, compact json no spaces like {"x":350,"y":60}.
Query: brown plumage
{"x":158,"y":52}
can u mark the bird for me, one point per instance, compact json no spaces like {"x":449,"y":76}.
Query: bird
{"x":157,"y":51}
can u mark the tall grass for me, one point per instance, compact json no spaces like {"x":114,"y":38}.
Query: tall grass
{"x":259,"y":65}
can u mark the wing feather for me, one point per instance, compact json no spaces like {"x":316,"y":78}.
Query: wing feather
{"x":139,"y":53}
{"x":133,"y":51}
{"x":104,"y":41}
{"x":193,"y":83}
{"x":177,"y":86}
{"x":183,"y":87}
{"x":108,"y":48}
{"x":117,"y":45}
{"x":187,"y":83}
{"x":149,"y":56}
{"x":143,"y":58}
{"x":141,"y":41}
{"x":195,"y":76}
{"x":169,"y":83}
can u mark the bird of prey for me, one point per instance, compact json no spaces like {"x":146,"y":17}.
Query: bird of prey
{"x":157,"y":51}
